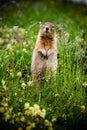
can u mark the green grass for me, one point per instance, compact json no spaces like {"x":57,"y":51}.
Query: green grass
{"x":64,"y":98}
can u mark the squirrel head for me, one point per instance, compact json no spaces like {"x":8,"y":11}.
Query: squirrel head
{"x":47,"y":29}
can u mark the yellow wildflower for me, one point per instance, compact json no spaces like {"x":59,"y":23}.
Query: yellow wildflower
{"x":10,"y":109}
{"x":83,"y":108}
{"x":67,"y":36}
{"x":32,"y":125}
{"x":37,"y":107}
{"x":20,"y":128}
{"x":57,"y":95}
{"x":3,"y":82}
{"x":64,"y":116}
{"x":26,"y":105}
{"x":42,"y":113}
{"x":53,"y":119}
{"x":29,"y":83}
{"x":23,"y":119}
{"x":28,"y":128}
{"x":47,"y":122}
{"x":50,"y":128}
{"x":19,"y":74}
{"x":7,"y":116}
{"x":9,"y":47}
{"x":85,"y":84}
{"x":0,"y":58}
{"x":32,"y":111}
{"x":2,"y":109}
{"x":23,"y":85}
{"x":12,"y":74}
{"x":27,"y":112}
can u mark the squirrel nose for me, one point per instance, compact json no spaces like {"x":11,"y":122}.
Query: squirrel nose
{"x":47,"y":28}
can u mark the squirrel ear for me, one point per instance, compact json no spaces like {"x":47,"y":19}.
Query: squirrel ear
{"x":41,"y":26}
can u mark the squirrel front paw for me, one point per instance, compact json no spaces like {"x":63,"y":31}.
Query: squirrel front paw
{"x":50,"y":52}
{"x":43,"y":54}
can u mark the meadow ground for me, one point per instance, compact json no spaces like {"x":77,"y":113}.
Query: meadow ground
{"x":64,"y":100}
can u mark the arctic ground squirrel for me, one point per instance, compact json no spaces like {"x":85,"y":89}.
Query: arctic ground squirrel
{"x":45,"y":52}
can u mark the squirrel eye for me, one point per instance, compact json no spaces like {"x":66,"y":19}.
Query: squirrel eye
{"x":53,"y":27}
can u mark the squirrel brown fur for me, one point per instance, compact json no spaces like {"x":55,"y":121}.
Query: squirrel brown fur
{"x":45,"y":52}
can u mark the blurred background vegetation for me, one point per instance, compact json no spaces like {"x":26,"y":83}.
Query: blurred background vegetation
{"x":64,"y":100}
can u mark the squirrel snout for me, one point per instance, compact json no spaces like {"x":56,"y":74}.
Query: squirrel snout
{"x":47,"y":28}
